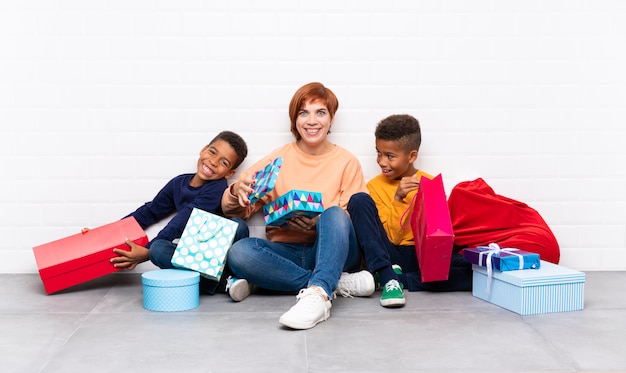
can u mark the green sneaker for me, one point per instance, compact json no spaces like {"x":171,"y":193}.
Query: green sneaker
{"x":396,"y":268}
{"x":393,"y":295}
{"x":377,"y":281}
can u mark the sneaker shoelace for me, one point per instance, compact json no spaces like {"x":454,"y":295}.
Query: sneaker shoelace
{"x":311,"y":295}
{"x":344,"y":288}
{"x":392,"y":285}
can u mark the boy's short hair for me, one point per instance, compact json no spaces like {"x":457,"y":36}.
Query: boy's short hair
{"x":401,"y":128}
{"x":311,"y":92}
{"x":236,"y":142}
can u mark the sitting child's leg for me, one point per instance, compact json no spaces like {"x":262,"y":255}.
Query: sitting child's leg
{"x":459,"y":278}
{"x":376,"y":247}
{"x":161,"y":252}
{"x":370,"y":233}
{"x":242,"y":229}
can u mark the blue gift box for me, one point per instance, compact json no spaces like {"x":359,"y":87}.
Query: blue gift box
{"x":293,"y":203}
{"x":170,"y":290}
{"x":265,"y":179}
{"x":551,"y":288}
{"x":502,"y":259}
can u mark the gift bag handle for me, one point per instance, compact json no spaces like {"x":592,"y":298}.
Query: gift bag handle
{"x":411,"y":206}
{"x":210,"y":235}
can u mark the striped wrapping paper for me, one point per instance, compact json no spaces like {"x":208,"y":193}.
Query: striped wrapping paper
{"x":551,"y":288}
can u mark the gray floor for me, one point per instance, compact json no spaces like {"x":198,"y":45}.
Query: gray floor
{"x":102,"y":326}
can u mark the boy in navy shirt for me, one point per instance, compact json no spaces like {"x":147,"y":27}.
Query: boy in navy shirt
{"x":218,"y":161}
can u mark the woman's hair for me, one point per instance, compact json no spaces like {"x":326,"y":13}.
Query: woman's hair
{"x":308,"y":93}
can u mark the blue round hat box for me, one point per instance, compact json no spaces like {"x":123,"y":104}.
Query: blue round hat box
{"x":170,"y":290}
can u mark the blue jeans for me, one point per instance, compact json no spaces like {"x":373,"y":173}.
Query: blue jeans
{"x":161,"y":252}
{"x":380,"y":253}
{"x":289,"y":267}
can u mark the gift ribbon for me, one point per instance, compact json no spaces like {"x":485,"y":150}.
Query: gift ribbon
{"x":494,"y":249}
{"x":203,"y":238}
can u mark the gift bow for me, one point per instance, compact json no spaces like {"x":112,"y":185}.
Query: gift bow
{"x":494,"y":249}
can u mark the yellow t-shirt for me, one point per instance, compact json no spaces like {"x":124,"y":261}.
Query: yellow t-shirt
{"x":382,"y":190}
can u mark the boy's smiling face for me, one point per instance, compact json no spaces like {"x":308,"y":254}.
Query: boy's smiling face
{"x":395,"y":162}
{"x":216,"y":161}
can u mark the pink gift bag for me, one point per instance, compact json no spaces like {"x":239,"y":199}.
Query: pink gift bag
{"x":432,"y":229}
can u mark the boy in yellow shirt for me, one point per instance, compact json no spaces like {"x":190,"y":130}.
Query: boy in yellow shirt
{"x":388,"y":248}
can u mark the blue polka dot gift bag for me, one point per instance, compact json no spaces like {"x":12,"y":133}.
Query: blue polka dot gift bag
{"x":204,"y":244}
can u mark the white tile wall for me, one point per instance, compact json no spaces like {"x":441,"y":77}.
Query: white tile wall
{"x":101,"y":102}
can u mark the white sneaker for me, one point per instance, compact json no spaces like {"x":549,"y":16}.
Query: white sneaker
{"x":238,"y":288}
{"x":310,"y":309}
{"x":359,"y":284}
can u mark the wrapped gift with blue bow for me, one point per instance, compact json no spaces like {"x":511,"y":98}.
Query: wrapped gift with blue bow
{"x":204,"y":244}
{"x":501,"y":259}
{"x":551,"y":288}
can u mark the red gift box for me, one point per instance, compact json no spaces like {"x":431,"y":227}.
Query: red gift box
{"x":85,"y":256}
{"x":432,"y":230}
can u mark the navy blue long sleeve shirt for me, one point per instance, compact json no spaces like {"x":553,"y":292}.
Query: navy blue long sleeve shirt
{"x":178,"y":197}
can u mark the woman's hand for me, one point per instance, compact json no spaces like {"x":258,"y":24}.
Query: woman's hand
{"x":302,"y":223}
{"x":242,"y":188}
